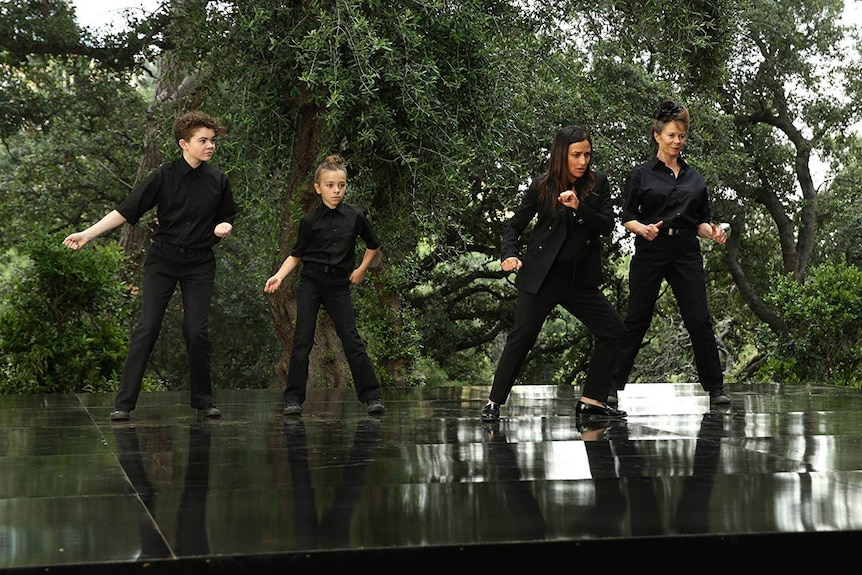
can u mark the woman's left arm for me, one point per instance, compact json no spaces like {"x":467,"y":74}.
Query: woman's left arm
{"x":597,"y":210}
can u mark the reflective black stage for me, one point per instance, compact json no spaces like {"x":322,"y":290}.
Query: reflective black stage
{"x":427,"y":487}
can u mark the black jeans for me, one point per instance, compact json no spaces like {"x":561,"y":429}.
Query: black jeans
{"x":165,"y":267}
{"x":679,"y":261}
{"x":335,"y":298}
{"x":589,"y":305}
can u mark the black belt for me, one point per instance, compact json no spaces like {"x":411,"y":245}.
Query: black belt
{"x":321,"y":268}
{"x":681,"y":232}
{"x":183,"y":249}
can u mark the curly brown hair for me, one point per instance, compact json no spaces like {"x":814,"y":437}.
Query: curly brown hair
{"x":187,"y":124}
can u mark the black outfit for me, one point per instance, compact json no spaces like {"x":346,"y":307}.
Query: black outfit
{"x":326,"y":244}
{"x":191,"y":203}
{"x":561,"y":266}
{"x":654,"y":194}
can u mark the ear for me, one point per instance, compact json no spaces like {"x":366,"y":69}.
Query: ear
{"x":183,"y":145}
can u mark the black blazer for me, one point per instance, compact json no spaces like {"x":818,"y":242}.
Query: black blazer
{"x":593,"y":219}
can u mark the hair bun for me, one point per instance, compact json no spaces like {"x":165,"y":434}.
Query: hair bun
{"x":667,"y":110}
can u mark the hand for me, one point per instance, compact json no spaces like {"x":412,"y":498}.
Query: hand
{"x":356,"y":276}
{"x":223,"y":229}
{"x":650,"y":231}
{"x":717,"y":233}
{"x":76,"y":241}
{"x":511,"y":264}
{"x":570,"y":199}
{"x":272,"y":284}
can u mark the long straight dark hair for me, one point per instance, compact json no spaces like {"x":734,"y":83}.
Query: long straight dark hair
{"x":556,"y":179}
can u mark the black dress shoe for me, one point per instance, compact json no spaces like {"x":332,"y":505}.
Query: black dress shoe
{"x":292,"y":408}
{"x":589,"y":410}
{"x":375,"y":406}
{"x":120,"y":415}
{"x":718,"y":397}
{"x":210,"y":411}
{"x":613,"y":397}
{"x":491,"y":412}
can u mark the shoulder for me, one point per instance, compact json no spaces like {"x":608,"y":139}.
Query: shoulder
{"x":600,"y":178}
{"x":350,"y":210}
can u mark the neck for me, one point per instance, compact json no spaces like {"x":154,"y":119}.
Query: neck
{"x":193,"y":162}
{"x":669,"y":159}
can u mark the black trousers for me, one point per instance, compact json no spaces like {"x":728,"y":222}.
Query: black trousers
{"x":587,"y":304}
{"x":335,"y":298}
{"x":679,"y":261}
{"x":165,"y":267}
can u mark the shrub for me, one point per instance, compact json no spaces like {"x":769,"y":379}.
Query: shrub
{"x":63,"y":318}
{"x":823,"y":339}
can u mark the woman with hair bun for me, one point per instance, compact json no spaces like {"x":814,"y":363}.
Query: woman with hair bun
{"x":666,"y":206}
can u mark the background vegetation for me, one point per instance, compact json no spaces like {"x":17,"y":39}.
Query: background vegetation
{"x":443,"y":110}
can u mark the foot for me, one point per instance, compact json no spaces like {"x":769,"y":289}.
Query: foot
{"x":375,"y":405}
{"x":491,"y":412}
{"x":613,"y":397}
{"x":210,"y":411}
{"x":292,"y":408}
{"x":583,"y":409}
{"x":718,"y":397}
{"x":120,"y":415}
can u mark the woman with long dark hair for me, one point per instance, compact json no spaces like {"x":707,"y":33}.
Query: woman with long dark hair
{"x":562,"y":265}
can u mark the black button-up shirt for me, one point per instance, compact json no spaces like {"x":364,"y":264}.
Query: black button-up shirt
{"x":327,"y":237}
{"x":191,"y":203}
{"x":653,"y":194}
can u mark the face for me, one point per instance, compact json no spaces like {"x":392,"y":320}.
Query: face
{"x":578,"y":159}
{"x":671,"y":141}
{"x":331,"y":186}
{"x":200,"y":147}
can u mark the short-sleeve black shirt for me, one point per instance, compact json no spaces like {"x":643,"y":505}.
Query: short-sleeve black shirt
{"x":191,"y":202}
{"x":653,"y":194}
{"x":327,"y":236}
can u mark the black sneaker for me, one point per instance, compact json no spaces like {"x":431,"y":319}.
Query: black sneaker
{"x":292,"y":408}
{"x":120,"y":415}
{"x":613,"y":397}
{"x":491,"y":412}
{"x":210,"y":411}
{"x":375,"y":405}
{"x":718,"y":397}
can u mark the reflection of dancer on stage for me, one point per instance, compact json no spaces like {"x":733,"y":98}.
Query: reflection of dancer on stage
{"x":692,"y":515}
{"x":617,"y":468}
{"x":153,"y":546}
{"x":333,"y":528}
{"x":191,"y":516}
{"x":528,"y":521}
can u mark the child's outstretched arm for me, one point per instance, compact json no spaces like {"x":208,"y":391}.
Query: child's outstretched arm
{"x":77,"y":240}
{"x":359,"y":273}
{"x":288,"y":266}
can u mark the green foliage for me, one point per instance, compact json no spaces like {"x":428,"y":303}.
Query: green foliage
{"x":823,"y":340}
{"x":62,"y":319}
{"x":388,"y":328}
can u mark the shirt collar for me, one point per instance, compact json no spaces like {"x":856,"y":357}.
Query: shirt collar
{"x":323,"y":209}
{"x":655,"y":162}
{"x":184,"y":166}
